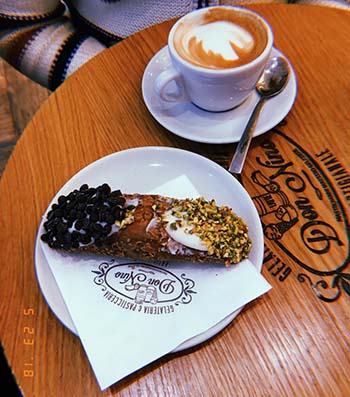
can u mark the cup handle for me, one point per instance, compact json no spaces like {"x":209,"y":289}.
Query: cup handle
{"x":164,"y":79}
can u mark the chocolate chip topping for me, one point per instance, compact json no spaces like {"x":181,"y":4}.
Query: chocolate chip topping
{"x":84,"y":216}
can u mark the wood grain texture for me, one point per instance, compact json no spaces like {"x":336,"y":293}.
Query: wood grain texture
{"x":290,"y":342}
{"x":20,"y":98}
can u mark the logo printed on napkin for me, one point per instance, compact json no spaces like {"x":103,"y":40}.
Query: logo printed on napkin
{"x":143,"y":288}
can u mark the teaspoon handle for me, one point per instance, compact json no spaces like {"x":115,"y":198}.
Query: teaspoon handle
{"x":240,"y":155}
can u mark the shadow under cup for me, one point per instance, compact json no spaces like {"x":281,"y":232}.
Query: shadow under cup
{"x":210,"y":87}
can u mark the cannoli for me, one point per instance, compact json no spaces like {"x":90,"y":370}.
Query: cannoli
{"x":145,"y":227}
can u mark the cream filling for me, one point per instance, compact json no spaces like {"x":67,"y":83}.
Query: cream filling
{"x":181,"y":234}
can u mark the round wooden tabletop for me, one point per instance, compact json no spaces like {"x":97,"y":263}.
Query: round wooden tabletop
{"x":294,"y":340}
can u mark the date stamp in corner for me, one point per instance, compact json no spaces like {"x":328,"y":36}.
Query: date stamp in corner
{"x":28,"y":332}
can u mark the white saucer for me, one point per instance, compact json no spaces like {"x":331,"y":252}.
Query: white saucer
{"x":159,"y":165}
{"x":189,"y":121}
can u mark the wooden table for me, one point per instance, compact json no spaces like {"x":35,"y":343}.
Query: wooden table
{"x":20,"y":98}
{"x":293,"y":341}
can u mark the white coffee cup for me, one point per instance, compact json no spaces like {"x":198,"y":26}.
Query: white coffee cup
{"x":217,"y":56}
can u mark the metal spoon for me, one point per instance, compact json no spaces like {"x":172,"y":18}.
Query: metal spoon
{"x":271,"y":83}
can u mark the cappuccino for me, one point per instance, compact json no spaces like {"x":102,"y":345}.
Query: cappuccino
{"x":220,"y":38}
{"x":216,"y":56}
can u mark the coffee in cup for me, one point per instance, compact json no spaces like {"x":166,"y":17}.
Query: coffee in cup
{"x":220,"y":38}
{"x":217,"y":56}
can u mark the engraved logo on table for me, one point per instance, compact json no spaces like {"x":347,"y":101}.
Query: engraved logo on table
{"x":301,"y":205}
{"x":275,"y":210}
{"x":143,"y":288}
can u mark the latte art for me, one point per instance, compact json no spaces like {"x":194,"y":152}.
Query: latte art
{"x":220,"y":39}
{"x":217,"y":40}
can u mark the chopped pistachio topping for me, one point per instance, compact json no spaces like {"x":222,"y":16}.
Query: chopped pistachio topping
{"x":221,"y":230}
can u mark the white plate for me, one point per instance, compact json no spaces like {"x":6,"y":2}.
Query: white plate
{"x":141,"y":170}
{"x":189,"y":121}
